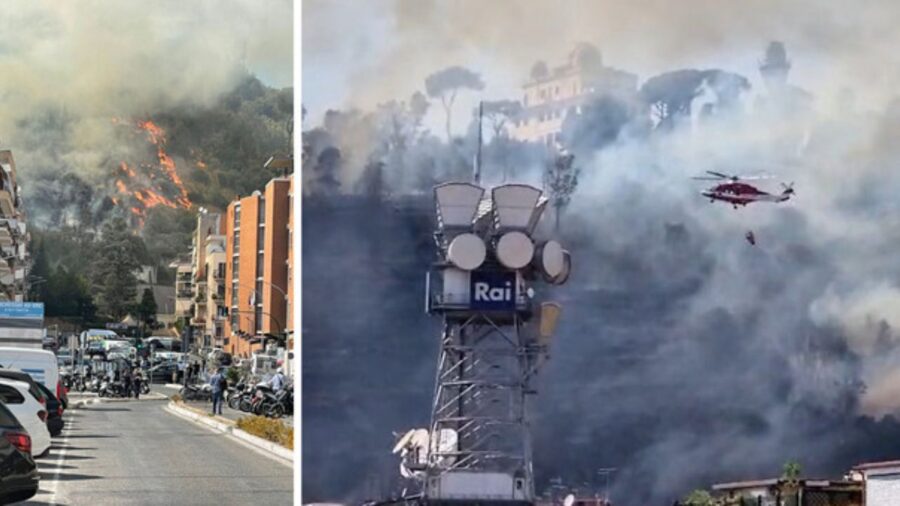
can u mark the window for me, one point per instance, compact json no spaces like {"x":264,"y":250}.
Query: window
{"x":235,"y":316}
{"x":234,"y":293}
{"x":258,"y":318}
{"x":261,"y":239}
{"x":10,"y":395}
{"x":235,"y":268}
{"x":261,"y":211}
{"x":7,"y":419}
{"x":260,"y":264}
{"x":259,"y":291}
{"x":237,"y":242}
{"x":237,"y":216}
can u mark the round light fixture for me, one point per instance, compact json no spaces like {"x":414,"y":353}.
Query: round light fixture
{"x":466,"y":251}
{"x":515,"y":250}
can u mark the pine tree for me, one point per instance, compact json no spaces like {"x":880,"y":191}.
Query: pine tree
{"x":119,"y":258}
{"x":146,"y":309}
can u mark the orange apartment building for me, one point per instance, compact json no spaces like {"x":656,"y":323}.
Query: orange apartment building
{"x":257,"y":288}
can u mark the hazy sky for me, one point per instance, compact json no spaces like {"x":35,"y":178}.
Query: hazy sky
{"x":361,"y":53}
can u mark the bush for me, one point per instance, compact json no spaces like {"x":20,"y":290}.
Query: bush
{"x":176,"y":398}
{"x":268,"y":429}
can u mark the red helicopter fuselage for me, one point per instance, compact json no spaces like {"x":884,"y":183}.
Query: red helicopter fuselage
{"x":741,"y":194}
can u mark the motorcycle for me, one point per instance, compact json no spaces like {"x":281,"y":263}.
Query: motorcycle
{"x":233,"y":394}
{"x":196,"y":392}
{"x":112,"y":389}
{"x":95,"y":384}
{"x":282,"y":403}
{"x":252,"y":397}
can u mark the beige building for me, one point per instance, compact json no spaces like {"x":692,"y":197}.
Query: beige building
{"x":207,"y":251}
{"x":213,"y":320}
{"x":551,"y":95}
{"x":183,"y":289}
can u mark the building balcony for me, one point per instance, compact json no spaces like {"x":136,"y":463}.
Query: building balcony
{"x":6,"y":236}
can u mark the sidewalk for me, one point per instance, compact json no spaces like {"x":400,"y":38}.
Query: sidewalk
{"x":228,"y":413}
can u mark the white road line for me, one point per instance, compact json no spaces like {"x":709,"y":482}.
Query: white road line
{"x":53,"y":485}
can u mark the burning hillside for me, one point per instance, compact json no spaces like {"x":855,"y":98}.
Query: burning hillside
{"x":144,"y":185}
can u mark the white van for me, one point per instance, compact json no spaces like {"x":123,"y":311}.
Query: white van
{"x":39,"y":364}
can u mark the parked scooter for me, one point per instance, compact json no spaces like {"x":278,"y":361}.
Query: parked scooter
{"x":196,"y":392}
{"x":112,"y":389}
{"x":281,"y":404}
{"x":252,"y":397}
{"x":234,"y":393}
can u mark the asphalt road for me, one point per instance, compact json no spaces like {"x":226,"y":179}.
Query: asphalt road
{"x":129,"y":453}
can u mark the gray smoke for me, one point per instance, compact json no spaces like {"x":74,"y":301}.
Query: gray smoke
{"x":685,"y":355}
{"x":70,"y":70}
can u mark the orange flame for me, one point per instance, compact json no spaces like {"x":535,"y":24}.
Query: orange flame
{"x":157,"y":136}
{"x":126,"y":169}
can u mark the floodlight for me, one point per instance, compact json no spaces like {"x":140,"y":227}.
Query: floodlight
{"x":550,"y":260}
{"x":566,"y":269}
{"x":514,"y":205}
{"x":456,"y":203}
{"x":515,"y":250}
{"x":466,"y":251}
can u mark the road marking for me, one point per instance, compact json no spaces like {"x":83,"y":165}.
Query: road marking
{"x":54,"y":483}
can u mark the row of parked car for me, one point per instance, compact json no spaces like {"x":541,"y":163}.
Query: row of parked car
{"x":32,"y":402}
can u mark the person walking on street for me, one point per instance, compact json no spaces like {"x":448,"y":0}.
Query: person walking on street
{"x":126,"y":380}
{"x":218,"y":384}
{"x":138,"y":379}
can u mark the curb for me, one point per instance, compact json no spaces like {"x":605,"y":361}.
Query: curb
{"x":272,"y":450}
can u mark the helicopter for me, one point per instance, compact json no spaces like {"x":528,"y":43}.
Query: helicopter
{"x":735,"y":191}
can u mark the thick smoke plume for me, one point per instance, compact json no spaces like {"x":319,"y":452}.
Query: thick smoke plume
{"x":685,"y":355}
{"x":70,"y":70}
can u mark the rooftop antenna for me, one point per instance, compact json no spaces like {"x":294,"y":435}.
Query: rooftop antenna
{"x":476,"y":177}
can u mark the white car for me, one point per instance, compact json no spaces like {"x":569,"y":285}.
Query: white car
{"x":28,"y":411}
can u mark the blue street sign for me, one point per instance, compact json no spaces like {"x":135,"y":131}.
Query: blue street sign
{"x":30,"y":310}
{"x":493,"y":290}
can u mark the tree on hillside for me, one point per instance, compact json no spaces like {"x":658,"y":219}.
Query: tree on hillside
{"x":40,"y":273}
{"x":499,"y":112}
{"x":146,"y":309}
{"x":120,"y":256}
{"x":445,"y":84}
{"x":560,"y":181}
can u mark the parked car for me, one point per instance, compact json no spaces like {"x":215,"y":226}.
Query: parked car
{"x":19,"y":479}
{"x":162,"y":373}
{"x":39,"y":364}
{"x":28,"y":411}
{"x":96,"y":349}
{"x":33,"y":389}
{"x":54,"y":411}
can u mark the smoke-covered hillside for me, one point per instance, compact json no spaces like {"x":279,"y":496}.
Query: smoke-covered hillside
{"x":685,"y":355}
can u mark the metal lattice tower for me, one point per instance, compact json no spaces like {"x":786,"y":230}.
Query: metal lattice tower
{"x":478,"y":445}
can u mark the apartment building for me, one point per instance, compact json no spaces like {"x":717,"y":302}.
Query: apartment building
{"x":14,"y":235}
{"x":207,"y":253}
{"x":551,"y":95}
{"x":183,"y":289}
{"x":258,"y":234}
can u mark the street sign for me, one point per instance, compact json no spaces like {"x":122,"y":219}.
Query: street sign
{"x":22,"y":310}
{"x":493,"y":290}
{"x":23,"y":315}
